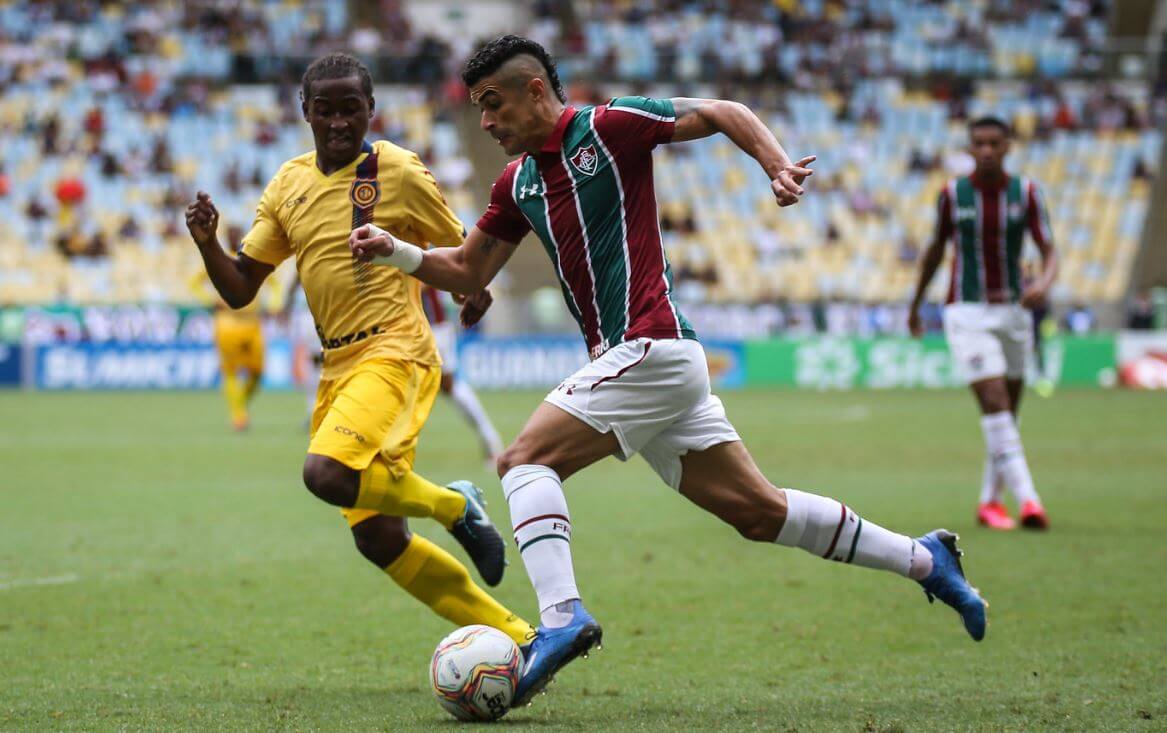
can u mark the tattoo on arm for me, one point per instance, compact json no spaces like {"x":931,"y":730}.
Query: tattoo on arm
{"x":489,"y":244}
{"x":690,"y":123}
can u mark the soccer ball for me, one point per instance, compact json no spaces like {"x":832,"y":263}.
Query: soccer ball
{"x":474,"y":672}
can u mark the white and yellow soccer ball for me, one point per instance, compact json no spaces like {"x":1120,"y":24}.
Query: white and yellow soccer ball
{"x":474,"y":672}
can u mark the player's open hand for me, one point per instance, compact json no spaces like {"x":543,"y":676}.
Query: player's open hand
{"x":475,"y":308}
{"x":787,"y":187}
{"x":368,"y":241}
{"x":202,"y":219}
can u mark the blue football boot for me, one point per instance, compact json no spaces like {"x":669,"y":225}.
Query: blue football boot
{"x":477,"y":535}
{"x":552,"y":649}
{"x":947,"y":582}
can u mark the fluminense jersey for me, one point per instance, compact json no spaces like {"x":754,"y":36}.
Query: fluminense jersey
{"x":987,"y":223}
{"x":588,"y":195}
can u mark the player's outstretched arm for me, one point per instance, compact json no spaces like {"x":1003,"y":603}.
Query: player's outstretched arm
{"x":236,"y":278}
{"x":698,"y":118}
{"x":466,"y":269}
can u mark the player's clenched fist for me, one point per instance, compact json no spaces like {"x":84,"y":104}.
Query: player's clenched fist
{"x":202,"y":219}
{"x":368,"y":241}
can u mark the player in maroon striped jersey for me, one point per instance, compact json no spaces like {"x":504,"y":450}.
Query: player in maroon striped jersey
{"x":584,"y":185}
{"x":987,"y":321}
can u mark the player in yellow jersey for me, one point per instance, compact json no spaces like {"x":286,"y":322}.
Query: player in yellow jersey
{"x":381,"y":370}
{"x":239,"y":341}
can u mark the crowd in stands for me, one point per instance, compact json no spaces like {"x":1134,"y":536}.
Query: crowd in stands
{"x":113,"y":115}
{"x":806,"y":43}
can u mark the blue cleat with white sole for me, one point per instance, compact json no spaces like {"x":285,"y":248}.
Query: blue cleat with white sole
{"x":552,"y":649}
{"x":478,"y":536}
{"x":947,"y":582}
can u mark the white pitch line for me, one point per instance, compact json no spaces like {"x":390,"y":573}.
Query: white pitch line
{"x":51,"y":580}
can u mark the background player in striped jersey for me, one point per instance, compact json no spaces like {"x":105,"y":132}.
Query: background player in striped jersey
{"x":584,"y":184}
{"x":986,"y":321}
{"x":459,"y":390}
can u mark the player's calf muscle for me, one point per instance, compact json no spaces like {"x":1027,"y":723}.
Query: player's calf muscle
{"x":381,"y":539}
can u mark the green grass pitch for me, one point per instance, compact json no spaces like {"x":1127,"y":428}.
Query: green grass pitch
{"x":158,"y":572}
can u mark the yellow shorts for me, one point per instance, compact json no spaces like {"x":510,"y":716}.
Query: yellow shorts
{"x":378,"y":408}
{"x":240,"y":345}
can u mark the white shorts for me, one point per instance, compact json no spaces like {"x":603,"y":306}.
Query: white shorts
{"x":446,"y":338}
{"x":654,"y":395}
{"x":988,"y":339}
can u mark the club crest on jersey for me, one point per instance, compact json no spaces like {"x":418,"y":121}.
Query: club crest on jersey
{"x":585,"y":159}
{"x":365,"y":192}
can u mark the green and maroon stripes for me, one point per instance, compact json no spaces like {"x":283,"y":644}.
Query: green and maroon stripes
{"x":988,"y":227}
{"x":844,"y":512}
{"x":589,"y":197}
{"x":557,"y":520}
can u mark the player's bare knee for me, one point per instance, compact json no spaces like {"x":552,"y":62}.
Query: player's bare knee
{"x":381,"y":540}
{"x":330,"y":480}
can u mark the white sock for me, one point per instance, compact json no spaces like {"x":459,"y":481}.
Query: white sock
{"x":543,"y":533}
{"x":831,"y":530}
{"x":467,"y":401}
{"x":1003,"y":442}
{"x":990,"y":483}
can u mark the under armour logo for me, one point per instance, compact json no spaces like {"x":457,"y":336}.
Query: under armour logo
{"x":531,"y":191}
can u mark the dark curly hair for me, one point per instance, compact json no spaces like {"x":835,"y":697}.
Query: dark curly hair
{"x":336,"y":66}
{"x":494,"y":54}
{"x":990,"y":121}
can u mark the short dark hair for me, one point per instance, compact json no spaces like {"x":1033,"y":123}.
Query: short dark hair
{"x":336,"y":66}
{"x":990,"y":121}
{"x":494,"y":54}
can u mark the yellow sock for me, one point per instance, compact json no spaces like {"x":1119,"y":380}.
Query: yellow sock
{"x":236,"y":397}
{"x":251,"y":385}
{"x":434,"y":577}
{"x":408,"y":496}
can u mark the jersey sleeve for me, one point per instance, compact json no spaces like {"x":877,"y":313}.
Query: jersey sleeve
{"x":639,"y":122}
{"x":1037,"y":217}
{"x":944,"y":223}
{"x":267,"y":241}
{"x":430,"y":215}
{"x":502,"y":218}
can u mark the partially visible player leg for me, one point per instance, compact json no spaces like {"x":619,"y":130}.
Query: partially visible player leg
{"x":361,"y":453}
{"x":551,"y":447}
{"x":430,"y":574}
{"x":1003,"y":444}
{"x":471,"y":408}
{"x":989,"y":344}
{"x":1017,"y":345}
{"x":725,"y":481}
{"x":236,"y":395}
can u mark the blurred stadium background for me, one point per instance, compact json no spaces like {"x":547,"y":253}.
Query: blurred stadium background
{"x":113,"y":114}
{"x":159,"y":572}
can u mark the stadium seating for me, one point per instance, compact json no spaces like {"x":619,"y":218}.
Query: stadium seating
{"x":137,"y":136}
{"x":857,"y":236}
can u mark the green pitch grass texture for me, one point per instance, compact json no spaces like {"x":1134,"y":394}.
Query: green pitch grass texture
{"x":159,"y":572}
